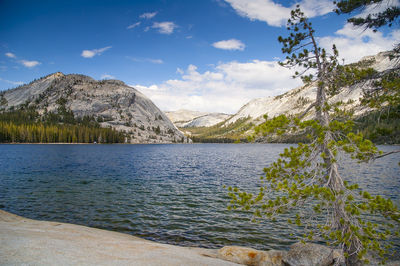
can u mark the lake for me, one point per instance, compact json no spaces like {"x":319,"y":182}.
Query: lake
{"x":167,"y":193}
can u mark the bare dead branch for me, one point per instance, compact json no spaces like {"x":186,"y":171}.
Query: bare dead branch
{"x":385,"y":154}
{"x":301,"y":46}
{"x":307,"y":110}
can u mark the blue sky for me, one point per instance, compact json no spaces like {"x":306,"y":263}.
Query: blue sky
{"x":206,"y":55}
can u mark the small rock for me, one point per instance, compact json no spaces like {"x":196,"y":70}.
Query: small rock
{"x":250,"y":256}
{"x":310,"y":254}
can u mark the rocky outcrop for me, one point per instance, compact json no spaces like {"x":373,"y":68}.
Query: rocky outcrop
{"x":111,"y":102}
{"x":30,"y":242}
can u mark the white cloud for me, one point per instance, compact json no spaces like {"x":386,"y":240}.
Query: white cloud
{"x":29,"y":64}
{"x":224,"y":88}
{"x":91,"y":53}
{"x":10,"y":55}
{"x":134,"y":25}
{"x":164,"y":27}
{"x":155,"y":61}
{"x":150,"y":88}
{"x":148,"y":15}
{"x":88,"y":53}
{"x":276,"y":14}
{"x":231,"y":44}
{"x":150,"y":60}
{"x":23,"y":62}
{"x":107,"y":76}
{"x":354,"y":43}
{"x":314,"y":8}
{"x":17,"y":83}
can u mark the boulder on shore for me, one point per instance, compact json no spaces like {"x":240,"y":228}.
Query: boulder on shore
{"x":310,"y":254}
{"x":250,"y":256}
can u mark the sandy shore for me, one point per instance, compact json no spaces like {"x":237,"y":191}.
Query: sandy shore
{"x":29,"y":242}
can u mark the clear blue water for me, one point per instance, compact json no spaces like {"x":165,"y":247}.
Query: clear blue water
{"x":167,"y":193}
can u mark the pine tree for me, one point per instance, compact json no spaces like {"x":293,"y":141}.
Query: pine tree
{"x":306,"y":178}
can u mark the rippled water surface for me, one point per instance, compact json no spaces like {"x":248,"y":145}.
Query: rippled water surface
{"x":167,"y":193}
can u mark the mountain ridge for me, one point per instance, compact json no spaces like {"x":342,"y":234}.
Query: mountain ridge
{"x":111,"y":103}
{"x":296,"y":101}
{"x":186,"y":118}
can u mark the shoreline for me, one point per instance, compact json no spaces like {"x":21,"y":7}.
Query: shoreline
{"x":194,"y":143}
{"x":25,"y":241}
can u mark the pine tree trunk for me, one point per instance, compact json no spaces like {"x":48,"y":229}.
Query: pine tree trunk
{"x":335,"y":182}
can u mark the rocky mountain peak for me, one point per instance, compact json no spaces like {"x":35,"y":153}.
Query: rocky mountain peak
{"x":57,"y":75}
{"x":110,"y":102}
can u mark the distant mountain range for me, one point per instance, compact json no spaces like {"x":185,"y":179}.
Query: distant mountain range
{"x":109,"y":102}
{"x":186,"y":118}
{"x":113,"y":104}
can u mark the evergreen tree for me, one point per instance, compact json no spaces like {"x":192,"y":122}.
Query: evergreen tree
{"x":25,"y":126}
{"x":306,"y":178}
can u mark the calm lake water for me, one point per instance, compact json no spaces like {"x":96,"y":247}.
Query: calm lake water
{"x":167,"y":193}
